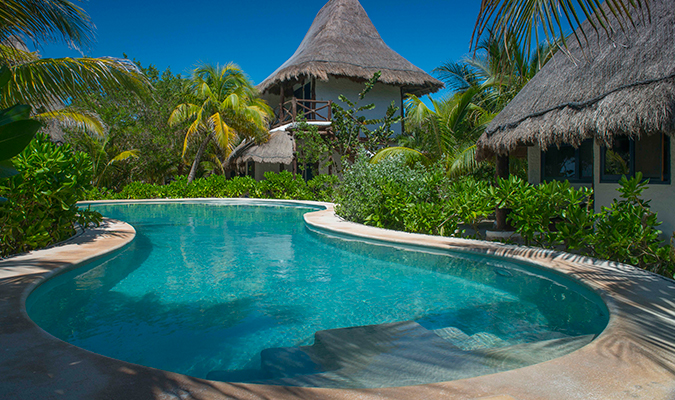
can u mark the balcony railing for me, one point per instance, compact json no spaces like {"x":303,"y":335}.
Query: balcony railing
{"x":312,"y":110}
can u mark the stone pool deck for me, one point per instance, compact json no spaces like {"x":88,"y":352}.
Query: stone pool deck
{"x":634,"y":357}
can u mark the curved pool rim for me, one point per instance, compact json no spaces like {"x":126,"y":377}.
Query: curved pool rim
{"x":634,"y":357}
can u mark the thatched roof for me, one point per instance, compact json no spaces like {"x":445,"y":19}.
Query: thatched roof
{"x":619,"y":86}
{"x":342,"y":41}
{"x":278,"y":149}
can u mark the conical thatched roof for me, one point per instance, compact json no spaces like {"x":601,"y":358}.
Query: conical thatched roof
{"x":619,"y":86}
{"x":277,"y":150}
{"x":342,"y":41}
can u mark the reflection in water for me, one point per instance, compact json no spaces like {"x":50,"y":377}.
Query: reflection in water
{"x":204,"y":289}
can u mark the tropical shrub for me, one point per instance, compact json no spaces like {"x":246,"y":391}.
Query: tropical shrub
{"x":41,"y":200}
{"x":541,"y":214}
{"x":627,"y":232}
{"x":390,"y":194}
{"x":470,"y":202}
{"x":283,"y":185}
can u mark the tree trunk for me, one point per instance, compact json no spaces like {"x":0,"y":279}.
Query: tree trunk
{"x":502,"y":171}
{"x":198,"y":158}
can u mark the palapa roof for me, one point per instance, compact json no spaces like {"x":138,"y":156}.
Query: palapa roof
{"x":624,"y":85}
{"x":342,"y":41}
{"x":278,"y":149}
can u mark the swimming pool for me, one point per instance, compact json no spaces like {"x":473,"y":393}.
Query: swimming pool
{"x":249,"y":294}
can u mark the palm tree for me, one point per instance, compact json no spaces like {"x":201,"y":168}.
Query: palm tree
{"x":453,"y":124}
{"x":225,"y":107}
{"x":47,"y":84}
{"x":527,"y":19}
{"x":446,"y":131}
{"x":497,"y":70}
{"x":45,"y":21}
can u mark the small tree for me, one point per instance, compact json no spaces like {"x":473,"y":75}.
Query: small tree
{"x":352,"y":131}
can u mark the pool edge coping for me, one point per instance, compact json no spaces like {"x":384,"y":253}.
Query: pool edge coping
{"x":622,"y":339}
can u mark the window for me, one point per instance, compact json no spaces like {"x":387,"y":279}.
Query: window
{"x":649,"y":155}
{"x":568,"y":163}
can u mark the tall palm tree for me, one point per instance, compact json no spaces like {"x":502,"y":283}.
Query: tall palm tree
{"x":528,"y":19}
{"x":225,"y":107}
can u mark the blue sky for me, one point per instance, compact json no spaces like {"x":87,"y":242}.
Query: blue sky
{"x":260,"y":35}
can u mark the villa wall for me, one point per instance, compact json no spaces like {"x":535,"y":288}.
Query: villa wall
{"x":382,"y":95}
{"x":662,"y":196}
{"x":261,"y":168}
{"x":534,"y":164}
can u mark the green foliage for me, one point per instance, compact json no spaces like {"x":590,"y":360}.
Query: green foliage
{"x":626,"y":231}
{"x":283,"y":185}
{"x":392,"y":195}
{"x":135,"y":122}
{"x":41,"y":206}
{"x":354,"y":131}
{"x":541,"y":214}
{"x":16,"y":131}
{"x":470,"y":202}
{"x":313,"y":148}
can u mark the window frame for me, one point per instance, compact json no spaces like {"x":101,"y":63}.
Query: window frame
{"x":614,"y":178}
{"x":577,"y":166}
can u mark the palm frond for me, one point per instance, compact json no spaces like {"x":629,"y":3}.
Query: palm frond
{"x":463,"y":161}
{"x":55,"y":81}
{"x":411,"y":156}
{"x":525,"y":19}
{"x":45,"y":21}
{"x":183,"y":112}
{"x":11,"y":55}
{"x":224,"y":135}
{"x":125,"y":155}
{"x":69,"y":117}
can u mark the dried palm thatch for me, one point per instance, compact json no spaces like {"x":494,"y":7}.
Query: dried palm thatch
{"x":278,"y":149}
{"x":342,"y":41}
{"x":623,"y":85}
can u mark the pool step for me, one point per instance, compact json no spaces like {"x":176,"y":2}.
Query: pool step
{"x":396,"y":354}
{"x":405,"y":351}
{"x":410,"y":365}
{"x":532,"y":353}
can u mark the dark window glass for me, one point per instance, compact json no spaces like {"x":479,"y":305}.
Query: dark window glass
{"x":569,"y":163}
{"x":560,"y":163}
{"x":617,"y":159}
{"x":649,"y":155}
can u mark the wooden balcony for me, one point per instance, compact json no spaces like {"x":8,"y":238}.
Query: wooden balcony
{"x":312,"y":110}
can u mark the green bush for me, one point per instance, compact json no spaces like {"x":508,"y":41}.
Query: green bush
{"x":544,"y":215}
{"x":626,"y":231}
{"x":469,"y":202}
{"x":283,"y":185}
{"x":41,"y":200}
{"x":392,"y":195}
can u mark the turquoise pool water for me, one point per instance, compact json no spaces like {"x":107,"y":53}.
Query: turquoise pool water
{"x":238,"y":293}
